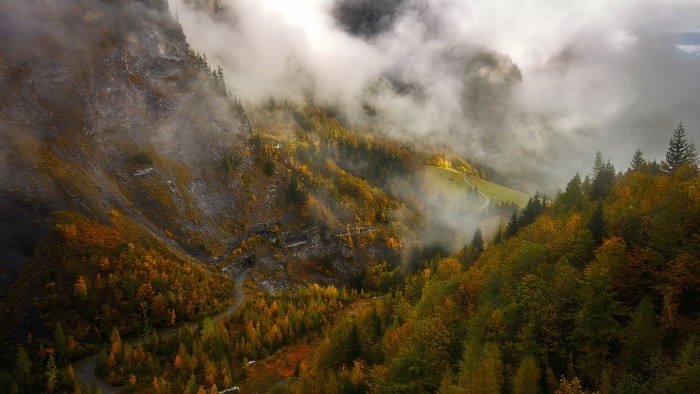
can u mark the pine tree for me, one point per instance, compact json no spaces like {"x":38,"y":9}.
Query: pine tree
{"x":573,"y":198}
{"x":603,"y":177}
{"x":637,"y":160}
{"x":679,"y":152}
{"x":513,"y":225}
{"x":499,"y":236}
{"x":478,"y":241}
{"x":534,"y":208}
{"x":597,"y":225}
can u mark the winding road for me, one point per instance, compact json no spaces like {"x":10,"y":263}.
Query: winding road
{"x":85,"y":369}
{"x":487,"y":200}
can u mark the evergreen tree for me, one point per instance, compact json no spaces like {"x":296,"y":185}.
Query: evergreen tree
{"x":603,"y":177}
{"x":513,"y":225}
{"x":478,"y":241}
{"x":573,"y":198}
{"x":637,"y":160}
{"x":679,"y":152}
{"x":597,"y":225}
{"x":533,"y":209}
{"x":643,"y":336}
{"x":499,"y":235}
{"x":586,"y":185}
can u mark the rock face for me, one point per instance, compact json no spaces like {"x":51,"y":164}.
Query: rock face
{"x":103,"y":105}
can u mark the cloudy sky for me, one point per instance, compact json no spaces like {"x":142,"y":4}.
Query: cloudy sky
{"x":596,"y":74}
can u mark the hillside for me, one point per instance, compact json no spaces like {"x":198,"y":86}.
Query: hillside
{"x":598,"y":294}
{"x":105,"y":106}
{"x":356,"y":227}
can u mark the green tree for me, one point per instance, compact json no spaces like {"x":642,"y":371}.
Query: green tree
{"x":481,"y":370}
{"x":23,"y":368}
{"x":527,"y":377}
{"x":596,"y":325}
{"x":597,"y":225}
{"x":513,"y":225}
{"x":573,"y":198}
{"x":637,"y":160}
{"x":686,"y":377}
{"x":534,"y":208}
{"x":643,"y":337}
{"x":680,"y":151}
{"x":603,"y":177}
{"x":478,"y":241}
{"x":60,"y":342}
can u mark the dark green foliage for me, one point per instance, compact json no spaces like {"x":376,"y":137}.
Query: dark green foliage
{"x":637,"y":160}
{"x":478,"y":241}
{"x":535,"y":207}
{"x":603,"y":177}
{"x":643,"y":336}
{"x":60,"y":342}
{"x":513,"y":225}
{"x":498,"y":238}
{"x":572,"y":199}
{"x":582,"y":249}
{"x":680,"y":151}
{"x":597,"y":225}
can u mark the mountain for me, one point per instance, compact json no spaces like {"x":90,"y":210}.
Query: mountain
{"x":134,"y":187}
{"x":105,"y":106}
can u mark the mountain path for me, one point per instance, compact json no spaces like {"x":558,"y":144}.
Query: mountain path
{"x":486,"y":198}
{"x":86,"y":369}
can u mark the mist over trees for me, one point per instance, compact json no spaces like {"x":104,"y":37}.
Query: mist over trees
{"x":594,"y":291}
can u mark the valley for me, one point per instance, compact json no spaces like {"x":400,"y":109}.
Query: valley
{"x":342,"y":198}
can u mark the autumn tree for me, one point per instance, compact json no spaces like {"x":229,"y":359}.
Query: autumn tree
{"x":527,"y":377}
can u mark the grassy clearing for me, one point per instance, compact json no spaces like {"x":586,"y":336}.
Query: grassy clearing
{"x":498,"y":193}
{"x":452,"y":180}
{"x":447,"y":180}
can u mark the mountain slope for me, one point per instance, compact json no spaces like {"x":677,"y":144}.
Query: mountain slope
{"x":104,"y":105}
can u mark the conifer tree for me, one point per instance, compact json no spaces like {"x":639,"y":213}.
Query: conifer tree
{"x":572,"y":199}
{"x":499,"y":235}
{"x":513,"y":225}
{"x":637,"y":160}
{"x":478,"y":241}
{"x":597,"y":225}
{"x":603,"y":177}
{"x":679,"y":152}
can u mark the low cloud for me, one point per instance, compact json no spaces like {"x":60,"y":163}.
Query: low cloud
{"x":531,"y":88}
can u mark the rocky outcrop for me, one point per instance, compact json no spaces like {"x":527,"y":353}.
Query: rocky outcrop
{"x":103,"y":106}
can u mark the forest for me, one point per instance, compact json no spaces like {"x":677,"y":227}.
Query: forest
{"x":595,"y":290}
{"x":598,"y":293}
